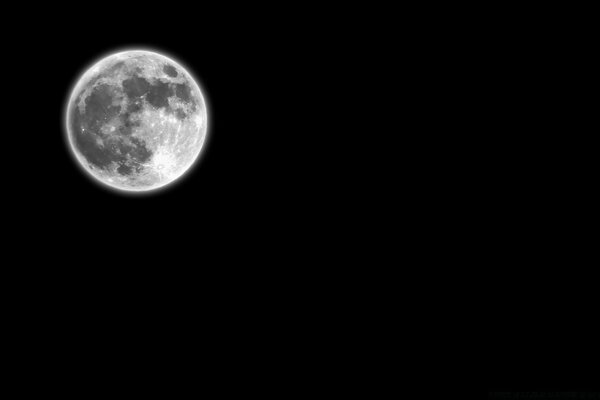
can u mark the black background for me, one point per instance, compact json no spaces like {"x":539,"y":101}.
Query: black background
{"x":540,"y":211}
{"x":265,"y":230}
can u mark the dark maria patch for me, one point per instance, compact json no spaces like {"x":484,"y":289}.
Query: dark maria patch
{"x":170,"y":70}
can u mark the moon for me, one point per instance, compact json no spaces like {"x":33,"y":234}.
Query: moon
{"x":136,"y":121}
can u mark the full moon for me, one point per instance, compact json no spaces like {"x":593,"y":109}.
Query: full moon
{"x":136,"y":121}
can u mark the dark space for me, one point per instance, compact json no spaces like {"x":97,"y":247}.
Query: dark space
{"x":270,"y":248}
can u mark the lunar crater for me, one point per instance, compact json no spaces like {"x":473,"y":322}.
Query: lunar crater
{"x":136,"y":121}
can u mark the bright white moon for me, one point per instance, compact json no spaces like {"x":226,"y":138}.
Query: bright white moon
{"x":136,"y":121}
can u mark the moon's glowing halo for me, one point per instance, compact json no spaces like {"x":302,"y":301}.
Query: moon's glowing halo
{"x":90,"y":70}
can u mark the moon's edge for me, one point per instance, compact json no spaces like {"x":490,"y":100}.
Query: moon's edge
{"x":81,"y":161}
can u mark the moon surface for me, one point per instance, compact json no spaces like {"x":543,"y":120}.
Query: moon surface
{"x":136,"y":121}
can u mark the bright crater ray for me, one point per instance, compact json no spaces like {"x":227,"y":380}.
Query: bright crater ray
{"x":136,"y":121}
